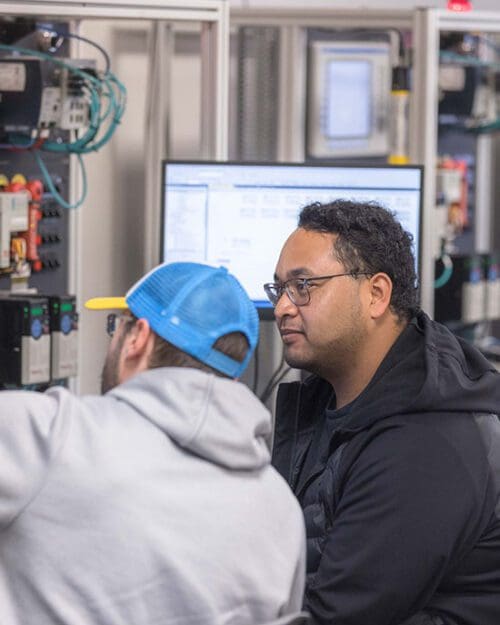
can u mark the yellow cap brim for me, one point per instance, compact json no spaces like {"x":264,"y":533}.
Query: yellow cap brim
{"x":106,"y":303}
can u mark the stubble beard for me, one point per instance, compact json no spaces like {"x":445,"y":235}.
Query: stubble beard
{"x":296,"y":361}
{"x":330,"y":359}
{"x":110,"y":370}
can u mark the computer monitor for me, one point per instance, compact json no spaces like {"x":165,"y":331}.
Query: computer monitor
{"x":238,"y":215}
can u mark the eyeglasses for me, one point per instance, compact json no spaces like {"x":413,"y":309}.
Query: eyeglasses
{"x":113,"y":321}
{"x":297,"y":289}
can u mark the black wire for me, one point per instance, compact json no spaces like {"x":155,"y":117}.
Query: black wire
{"x":255,"y":369}
{"x":276,"y":372}
{"x":286,"y":370}
{"x":85,"y":40}
{"x":270,"y":385}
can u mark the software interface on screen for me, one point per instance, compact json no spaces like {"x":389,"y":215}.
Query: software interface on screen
{"x":239,"y":215}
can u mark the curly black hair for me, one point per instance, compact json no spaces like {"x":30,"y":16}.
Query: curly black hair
{"x":370,"y":239}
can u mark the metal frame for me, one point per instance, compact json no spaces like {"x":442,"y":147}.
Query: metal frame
{"x":190,"y":10}
{"x":322,"y":18}
{"x":428,"y":23}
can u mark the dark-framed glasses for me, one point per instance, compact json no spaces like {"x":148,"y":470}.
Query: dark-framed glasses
{"x":113,"y":321}
{"x":298,"y":289}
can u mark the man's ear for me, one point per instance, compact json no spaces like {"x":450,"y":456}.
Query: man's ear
{"x":380,"y":294}
{"x":139,"y":343}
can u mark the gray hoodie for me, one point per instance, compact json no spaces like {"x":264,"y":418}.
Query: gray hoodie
{"x":152,"y":505}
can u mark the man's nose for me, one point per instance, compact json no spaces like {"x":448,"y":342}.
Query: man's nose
{"x":284,"y":306}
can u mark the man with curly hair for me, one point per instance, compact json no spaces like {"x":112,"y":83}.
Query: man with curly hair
{"x":392,"y":446}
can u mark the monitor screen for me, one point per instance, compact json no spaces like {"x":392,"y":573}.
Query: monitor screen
{"x":238,"y":215}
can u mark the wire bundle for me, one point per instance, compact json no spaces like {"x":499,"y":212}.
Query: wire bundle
{"x":106,"y":97}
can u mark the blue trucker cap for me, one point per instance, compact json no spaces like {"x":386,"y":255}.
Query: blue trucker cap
{"x":191,"y":305}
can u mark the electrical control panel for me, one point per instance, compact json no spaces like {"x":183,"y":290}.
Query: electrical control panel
{"x":52,"y":108}
{"x":34,"y":227}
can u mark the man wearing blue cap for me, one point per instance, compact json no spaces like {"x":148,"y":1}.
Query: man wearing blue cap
{"x":155,"y":502}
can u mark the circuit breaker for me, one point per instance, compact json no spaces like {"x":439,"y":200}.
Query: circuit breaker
{"x":24,"y":340}
{"x":64,"y":336}
{"x":63,"y":325}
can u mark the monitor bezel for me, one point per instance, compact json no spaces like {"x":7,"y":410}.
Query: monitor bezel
{"x":264,"y":309}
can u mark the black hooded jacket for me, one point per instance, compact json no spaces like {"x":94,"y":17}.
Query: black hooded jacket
{"x":401,"y":488}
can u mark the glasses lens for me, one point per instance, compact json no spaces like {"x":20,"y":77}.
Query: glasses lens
{"x":273,"y":292}
{"x":298,"y":291}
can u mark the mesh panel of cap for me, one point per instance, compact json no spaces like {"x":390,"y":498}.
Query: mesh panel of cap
{"x":191,"y":306}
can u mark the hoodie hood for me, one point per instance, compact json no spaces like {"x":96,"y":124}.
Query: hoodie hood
{"x":215,"y":418}
{"x":441,"y":373}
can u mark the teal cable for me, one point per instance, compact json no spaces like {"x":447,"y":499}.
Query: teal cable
{"x":471,"y":61}
{"x":52,"y":59}
{"x":447,"y":272}
{"x":107,"y":86}
{"x":87,"y":142}
{"x":50,"y":185}
{"x":485,"y":128}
